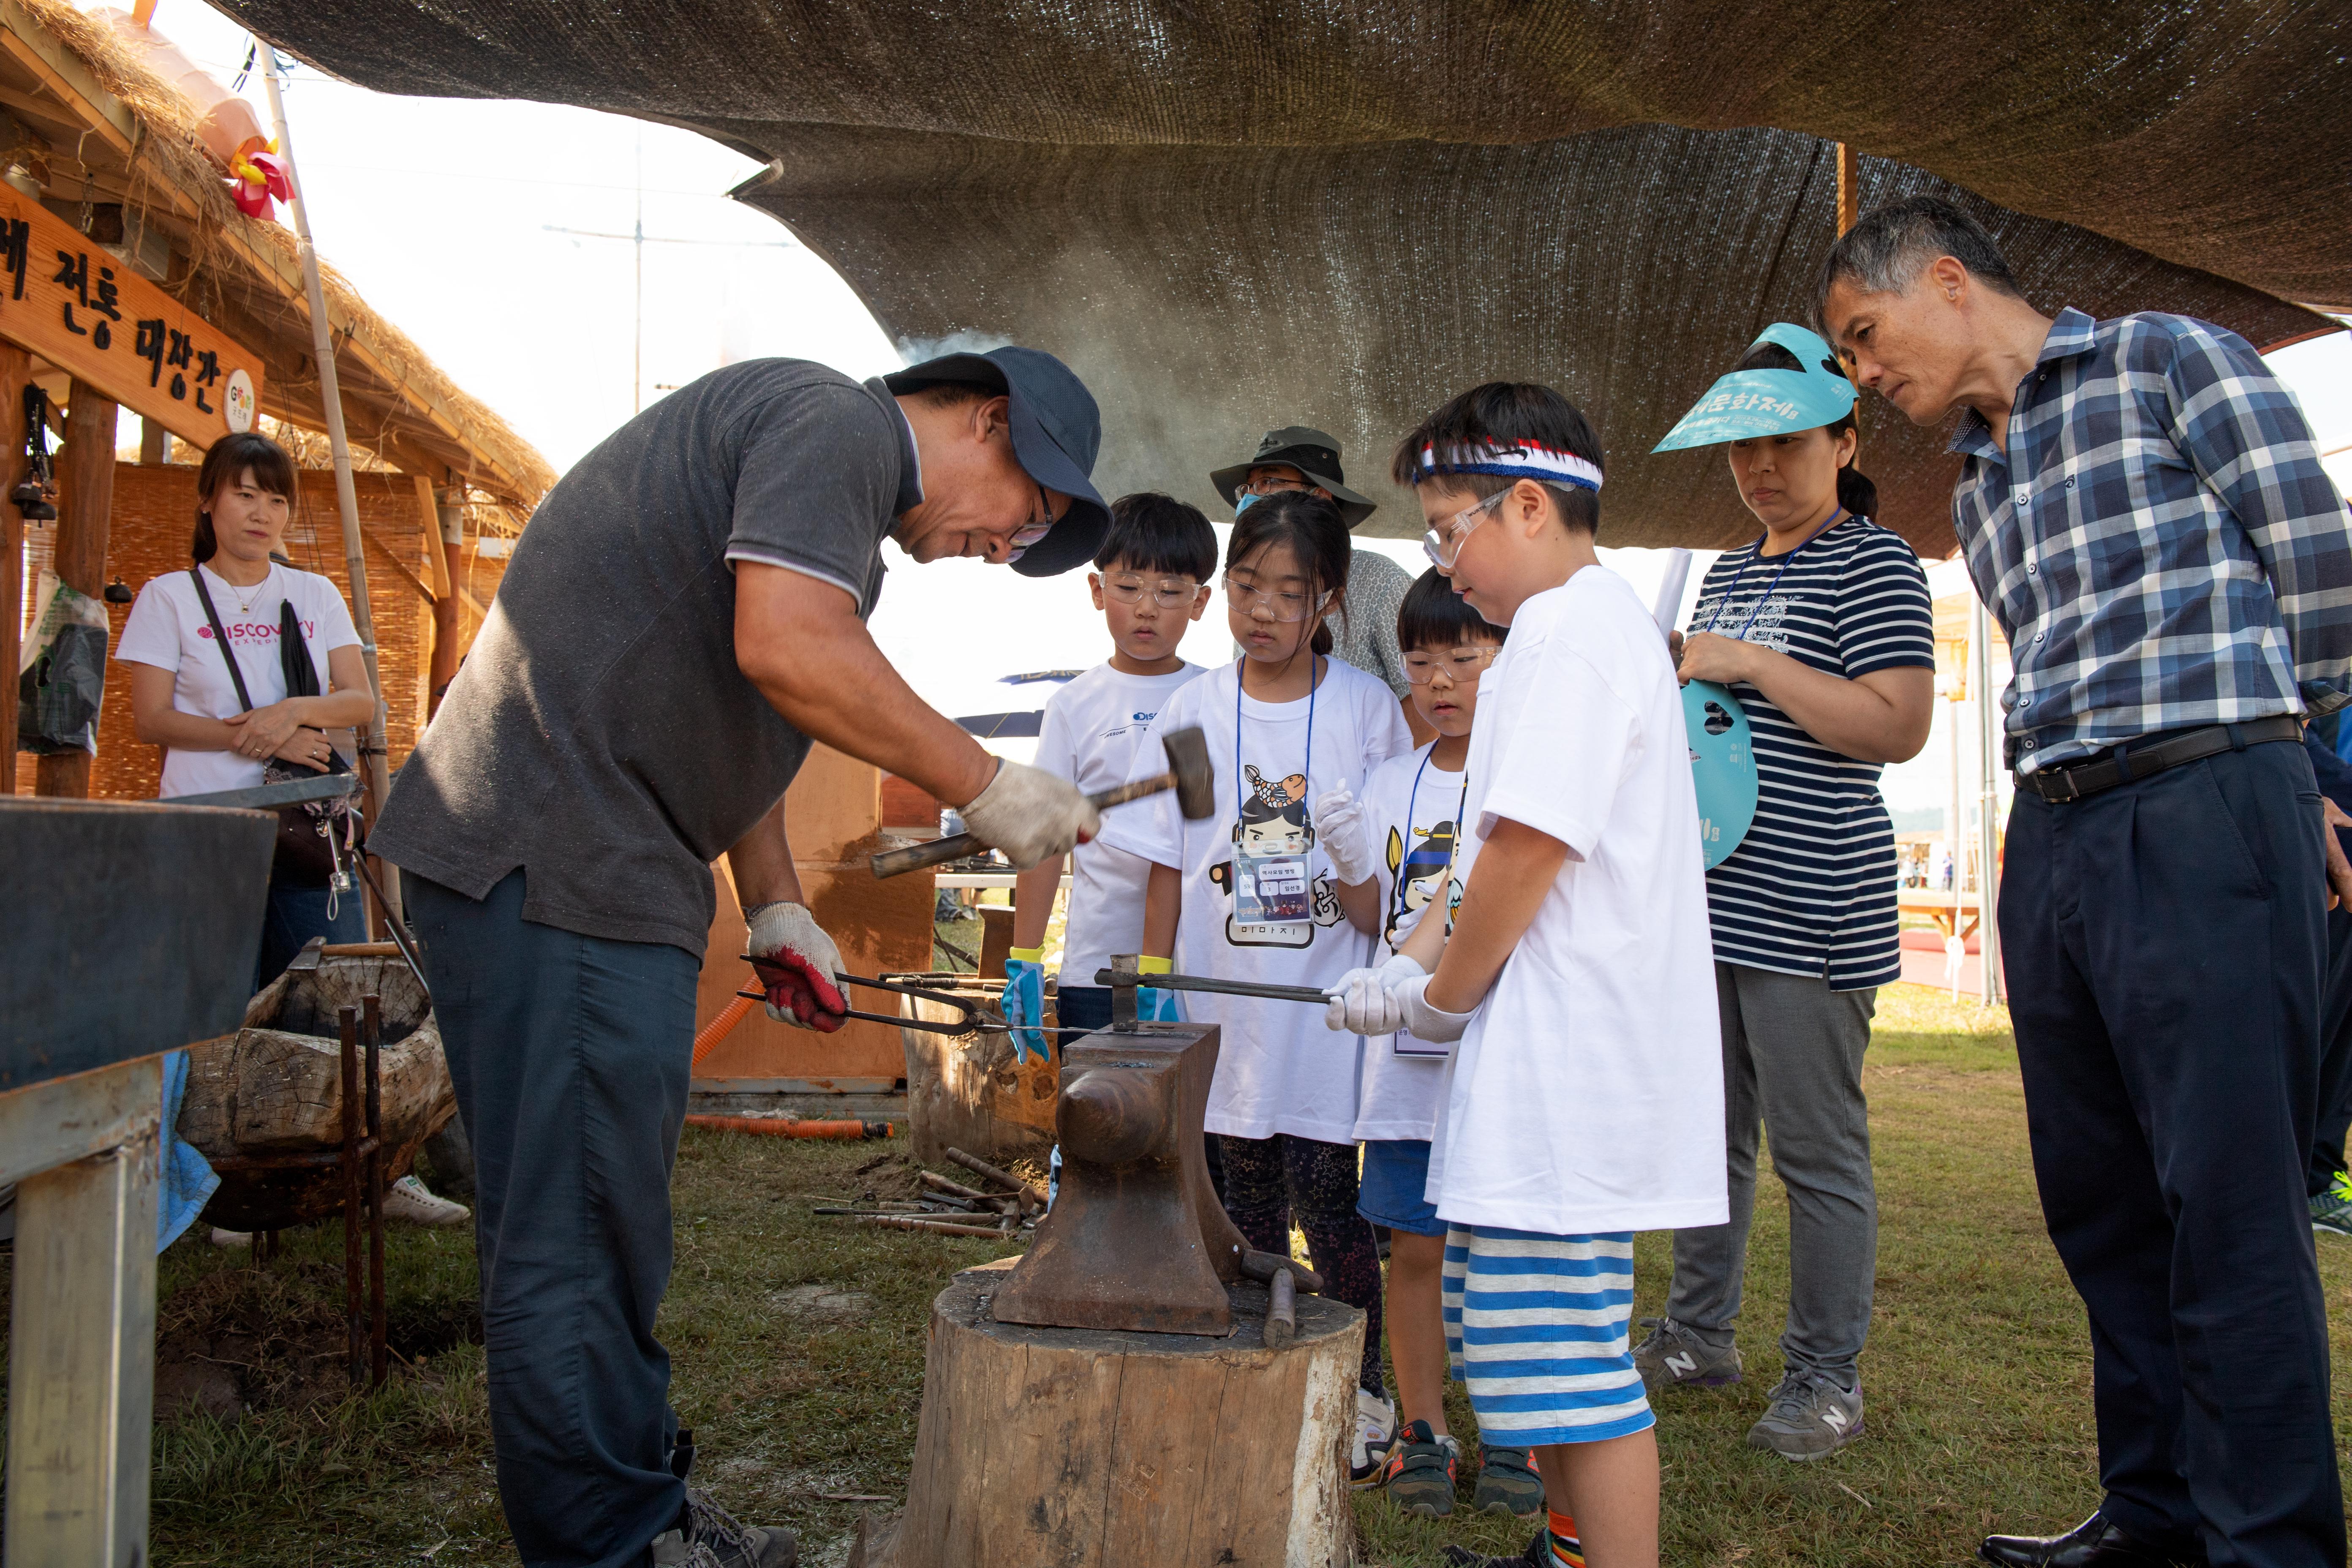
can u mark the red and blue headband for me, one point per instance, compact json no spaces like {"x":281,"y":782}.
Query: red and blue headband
{"x":1523,"y":460}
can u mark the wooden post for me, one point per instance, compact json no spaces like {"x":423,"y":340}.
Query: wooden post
{"x":448,"y":623}
{"x":373,"y":766}
{"x":16,"y":372}
{"x":153,"y":443}
{"x":1845,"y":188}
{"x":81,"y":1359}
{"x":84,"y":502}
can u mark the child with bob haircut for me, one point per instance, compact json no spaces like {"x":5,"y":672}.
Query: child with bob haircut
{"x":1584,"y":1100}
{"x":1414,"y":801}
{"x":1151,"y":581}
{"x":1252,"y":893}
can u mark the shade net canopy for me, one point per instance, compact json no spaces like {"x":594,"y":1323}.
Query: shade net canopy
{"x":1229,"y":217}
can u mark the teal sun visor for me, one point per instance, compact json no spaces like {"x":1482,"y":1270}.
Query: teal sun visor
{"x":1751,"y":403}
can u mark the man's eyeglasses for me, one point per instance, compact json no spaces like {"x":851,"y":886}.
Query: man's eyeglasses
{"x":1030,"y":532}
{"x":1264,"y":484}
{"x":1169,"y":592}
{"x":1281,"y":605}
{"x":1462,"y":666}
{"x":1443,"y":544}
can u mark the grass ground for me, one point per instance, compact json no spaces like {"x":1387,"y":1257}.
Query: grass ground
{"x":798,"y":1347}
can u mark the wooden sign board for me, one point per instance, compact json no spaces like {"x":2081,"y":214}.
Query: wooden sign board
{"x":74,"y":303}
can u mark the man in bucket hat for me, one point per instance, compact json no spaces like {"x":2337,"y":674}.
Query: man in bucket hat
{"x":683,"y":618}
{"x":1363,"y":633}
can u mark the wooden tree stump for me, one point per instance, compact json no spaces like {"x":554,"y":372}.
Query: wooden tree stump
{"x":1082,"y":1449}
{"x":970,"y":1091}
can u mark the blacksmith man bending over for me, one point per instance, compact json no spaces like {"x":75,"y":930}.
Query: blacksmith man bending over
{"x":686,"y":613}
{"x":2142,"y":506}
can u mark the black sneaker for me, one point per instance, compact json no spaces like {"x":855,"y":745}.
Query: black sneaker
{"x":1507,"y":1483}
{"x":710,"y":1537}
{"x":1420,"y":1472}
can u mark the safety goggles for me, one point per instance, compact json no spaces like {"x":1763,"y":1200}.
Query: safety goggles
{"x":1169,"y":592}
{"x":1443,"y":544}
{"x":1462,"y":666}
{"x":1281,"y":603}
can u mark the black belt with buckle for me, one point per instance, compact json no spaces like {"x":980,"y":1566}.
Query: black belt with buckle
{"x":2059,"y":785}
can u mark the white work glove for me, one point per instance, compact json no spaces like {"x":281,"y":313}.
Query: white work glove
{"x":1346,"y":835}
{"x":1361,"y":1003}
{"x":796,"y":962}
{"x":1435,"y":1025}
{"x":1030,"y":815}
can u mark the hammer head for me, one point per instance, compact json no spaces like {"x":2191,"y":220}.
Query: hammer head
{"x":1196,"y":777}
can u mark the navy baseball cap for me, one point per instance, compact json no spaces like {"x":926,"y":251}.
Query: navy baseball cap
{"x":1056,"y":432}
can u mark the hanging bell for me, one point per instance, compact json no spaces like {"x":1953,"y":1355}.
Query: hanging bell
{"x":33,"y":502}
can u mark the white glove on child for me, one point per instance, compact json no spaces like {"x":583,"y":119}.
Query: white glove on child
{"x":1435,"y":1025}
{"x":1361,"y":1004}
{"x":1030,"y":815}
{"x":1346,"y":835}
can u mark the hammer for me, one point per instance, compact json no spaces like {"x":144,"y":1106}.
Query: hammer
{"x":1189,"y":774}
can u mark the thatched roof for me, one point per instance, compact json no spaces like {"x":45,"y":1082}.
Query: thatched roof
{"x":76,"y":95}
{"x":1230,"y":217}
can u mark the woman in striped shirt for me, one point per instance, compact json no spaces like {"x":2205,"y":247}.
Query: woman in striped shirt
{"x":1823,"y":629}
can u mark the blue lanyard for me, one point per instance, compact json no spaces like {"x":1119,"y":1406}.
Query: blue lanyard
{"x":1788,"y":561}
{"x":1305,"y":772}
{"x":1412,"y":810}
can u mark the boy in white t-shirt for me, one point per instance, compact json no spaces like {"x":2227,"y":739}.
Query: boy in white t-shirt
{"x":1584,"y":1100}
{"x":1151,"y":581}
{"x":1413,"y":807}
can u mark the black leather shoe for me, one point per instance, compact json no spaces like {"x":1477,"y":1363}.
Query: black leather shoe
{"x":2093,"y":1543}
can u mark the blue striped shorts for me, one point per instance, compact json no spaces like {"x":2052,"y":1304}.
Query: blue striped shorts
{"x":1536,"y":1325}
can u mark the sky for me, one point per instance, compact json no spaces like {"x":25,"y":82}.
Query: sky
{"x":475,"y":226}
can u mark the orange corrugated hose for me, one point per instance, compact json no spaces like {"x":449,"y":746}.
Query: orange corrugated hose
{"x":719,"y":1029}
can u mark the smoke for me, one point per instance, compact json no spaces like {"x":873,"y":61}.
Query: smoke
{"x":915,"y":351}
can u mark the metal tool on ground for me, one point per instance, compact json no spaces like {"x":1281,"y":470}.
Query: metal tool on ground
{"x":1031,"y":1196}
{"x":1190,"y":774}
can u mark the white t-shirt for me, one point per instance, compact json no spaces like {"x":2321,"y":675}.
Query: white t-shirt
{"x":1088,"y":737}
{"x":1587,"y":1095}
{"x":167,"y":628}
{"x":1278,"y":1068}
{"x":1415,"y":809}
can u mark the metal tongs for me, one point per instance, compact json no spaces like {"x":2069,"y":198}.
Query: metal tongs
{"x":976,"y":1018}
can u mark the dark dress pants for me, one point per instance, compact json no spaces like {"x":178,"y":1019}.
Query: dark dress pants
{"x":571,"y":1056}
{"x":2165,"y":944}
{"x":2335,"y":1057}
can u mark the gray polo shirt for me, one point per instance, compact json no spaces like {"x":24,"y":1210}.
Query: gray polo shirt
{"x":599,"y":736}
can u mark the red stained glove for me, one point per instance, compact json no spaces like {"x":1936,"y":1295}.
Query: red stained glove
{"x":796,"y":962}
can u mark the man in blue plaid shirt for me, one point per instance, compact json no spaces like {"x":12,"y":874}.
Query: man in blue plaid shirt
{"x":2141,"y":504}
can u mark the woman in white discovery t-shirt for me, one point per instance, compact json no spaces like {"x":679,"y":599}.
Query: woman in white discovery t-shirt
{"x":184,"y":699}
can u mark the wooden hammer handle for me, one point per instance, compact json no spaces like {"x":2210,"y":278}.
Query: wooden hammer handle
{"x":940,"y":851}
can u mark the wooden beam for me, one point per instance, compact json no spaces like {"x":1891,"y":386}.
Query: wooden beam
{"x":85,"y":506}
{"x":398,"y":566}
{"x":60,"y":70}
{"x":1845,"y":188}
{"x":16,"y":372}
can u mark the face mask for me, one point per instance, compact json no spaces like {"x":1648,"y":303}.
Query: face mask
{"x":1245,"y":502}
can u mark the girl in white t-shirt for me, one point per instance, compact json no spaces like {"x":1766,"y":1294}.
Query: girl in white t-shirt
{"x":1252,"y":893}
{"x":183,"y":698}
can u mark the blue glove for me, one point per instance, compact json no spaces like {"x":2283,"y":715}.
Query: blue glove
{"x":1158,"y":1007}
{"x":1024,"y":1003}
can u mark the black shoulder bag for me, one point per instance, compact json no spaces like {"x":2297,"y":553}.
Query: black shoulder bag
{"x":305,"y":853}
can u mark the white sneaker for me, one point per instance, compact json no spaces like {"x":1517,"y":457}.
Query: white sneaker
{"x":1375,"y":1431}
{"x":231,"y":1237}
{"x":409,"y":1200}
